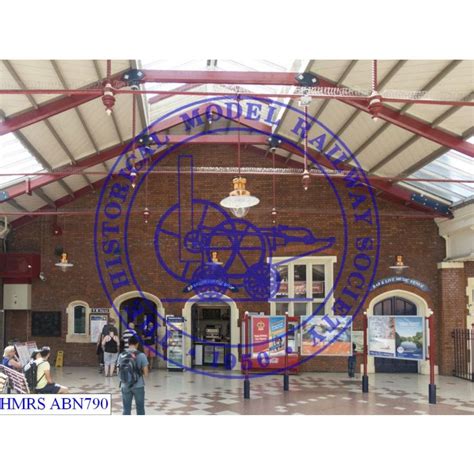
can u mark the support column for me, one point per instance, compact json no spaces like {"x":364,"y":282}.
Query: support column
{"x":453,"y":311}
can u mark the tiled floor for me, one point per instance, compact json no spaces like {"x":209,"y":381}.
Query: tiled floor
{"x":176,"y":393}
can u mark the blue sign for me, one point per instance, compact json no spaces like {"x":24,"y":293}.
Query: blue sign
{"x":400,"y":279}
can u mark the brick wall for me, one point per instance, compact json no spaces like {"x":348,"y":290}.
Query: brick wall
{"x":416,"y":239}
{"x":453,"y":283}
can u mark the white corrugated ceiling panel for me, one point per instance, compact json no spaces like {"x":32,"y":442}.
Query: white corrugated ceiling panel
{"x":6,"y":207}
{"x":118,"y":65}
{"x":336,"y":115}
{"x":100,"y":124}
{"x":11,"y":104}
{"x":96,"y":169}
{"x":54,"y":190}
{"x":44,"y":142}
{"x":77,"y":73}
{"x":37,"y":74}
{"x":72,"y":133}
{"x":122,"y":112}
{"x":383,"y":145}
{"x":408,"y":157}
{"x":75,"y":182}
{"x":31,"y":203}
{"x":360,"y":130}
{"x":460,"y":121}
{"x":330,"y":69}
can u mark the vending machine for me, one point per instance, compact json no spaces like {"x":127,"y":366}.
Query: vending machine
{"x":175,"y":342}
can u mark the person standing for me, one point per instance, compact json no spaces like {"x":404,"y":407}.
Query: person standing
{"x":110,"y":345}
{"x":110,"y":326}
{"x":149,"y":343}
{"x":133,"y":366}
{"x":127,"y":334}
{"x":100,"y":354}
{"x":351,"y":362}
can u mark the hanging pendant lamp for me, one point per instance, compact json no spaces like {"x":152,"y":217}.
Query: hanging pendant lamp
{"x":306,"y":179}
{"x":240,"y":199}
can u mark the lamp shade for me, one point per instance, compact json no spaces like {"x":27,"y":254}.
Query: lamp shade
{"x":239,"y":200}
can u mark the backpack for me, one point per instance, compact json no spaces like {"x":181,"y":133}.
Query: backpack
{"x":31,"y":372}
{"x":128,"y":369}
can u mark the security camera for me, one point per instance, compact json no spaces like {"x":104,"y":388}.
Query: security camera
{"x":42,"y":276}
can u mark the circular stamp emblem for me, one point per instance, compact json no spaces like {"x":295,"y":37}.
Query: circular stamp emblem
{"x":185,"y":248}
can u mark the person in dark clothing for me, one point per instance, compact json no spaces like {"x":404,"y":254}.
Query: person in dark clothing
{"x":100,"y":354}
{"x":137,"y":390}
{"x":109,"y":327}
{"x":110,"y":345}
{"x":351,"y":361}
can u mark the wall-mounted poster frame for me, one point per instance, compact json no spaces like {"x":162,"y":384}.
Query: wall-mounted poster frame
{"x":329,"y":327}
{"x":397,"y":337}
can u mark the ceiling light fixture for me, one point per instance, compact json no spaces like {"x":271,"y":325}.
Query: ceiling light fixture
{"x":399,"y":267}
{"x":306,"y":179}
{"x":239,"y":200}
{"x":64,"y":263}
{"x":108,"y":98}
{"x":274,"y":211}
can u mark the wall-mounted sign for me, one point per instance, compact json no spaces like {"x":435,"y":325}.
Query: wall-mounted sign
{"x":334,"y":335}
{"x":397,"y":337}
{"x":400,"y":279}
{"x":268,"y":335}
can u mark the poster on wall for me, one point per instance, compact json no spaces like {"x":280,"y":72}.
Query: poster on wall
{"x":358,"y":340}
{"x":397,"y":337}
{"x":24,"y":351}
{"x":381,"y":336}
{"x":329,"y":327}
{"x":409,"y":337}
{"x":98,"y":321}
{"x":174,"y":342}
{"x":268,"y":335}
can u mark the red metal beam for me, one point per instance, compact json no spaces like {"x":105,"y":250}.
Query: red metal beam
{"x":98,"y":158}
{"x":44,"y":111}
{"x":222,"y":77}
{"x":411,"y":124}
{"x":183,"y":88}
{"x":392,"y":192}
{"x":56,"y":106}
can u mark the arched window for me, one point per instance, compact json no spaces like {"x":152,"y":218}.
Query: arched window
{"x":79,"y":319}
{"x":395,"y":306}
{"x":78,"y":324}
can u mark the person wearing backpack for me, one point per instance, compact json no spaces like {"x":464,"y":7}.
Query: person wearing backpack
{"x":31,"y":370}
{"x":133,"y":366}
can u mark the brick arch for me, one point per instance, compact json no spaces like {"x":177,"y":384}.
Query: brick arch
{"x":424,"y":304}
{"x":391,"y":290}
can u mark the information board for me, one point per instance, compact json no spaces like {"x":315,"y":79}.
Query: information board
{"x":175,"y":342}
{"x":329,"y":328}
{"x":24,"y":351}
{"x":397,"y":337}
{"x":268,"y":335}
{"x":98,"y":321}
{"x":358,"y":340}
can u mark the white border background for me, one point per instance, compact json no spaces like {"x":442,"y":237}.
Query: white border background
{"x":238,"y":29}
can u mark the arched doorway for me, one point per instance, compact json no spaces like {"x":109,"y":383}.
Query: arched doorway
{"x":221,"y":317}
{"x":397,"y":303}
{"x":395,"y":306}
{"x":139,"y":308}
